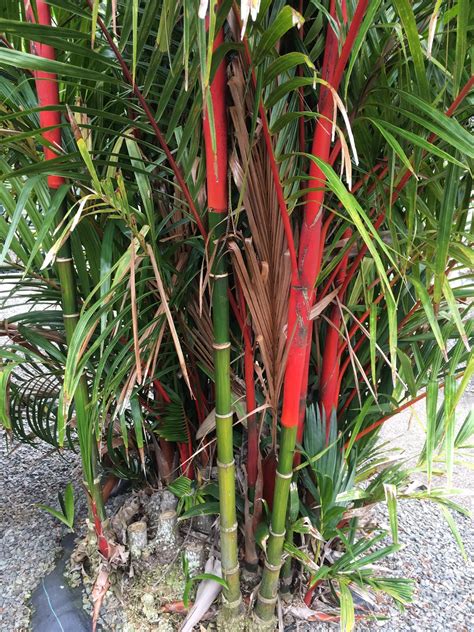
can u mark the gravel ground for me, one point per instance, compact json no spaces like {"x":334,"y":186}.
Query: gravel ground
{"x":29,"y":537}
{"x":443,"y":580}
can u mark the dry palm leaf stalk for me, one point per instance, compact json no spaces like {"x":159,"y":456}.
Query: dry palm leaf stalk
{"x":262,"y":264}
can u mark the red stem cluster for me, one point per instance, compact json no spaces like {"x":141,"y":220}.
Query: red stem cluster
{"x":329,"y":381}
{"x":310,"y":253}
{"x":216,"y":157}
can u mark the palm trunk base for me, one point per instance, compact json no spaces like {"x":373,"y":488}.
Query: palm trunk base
{"x":251,"y":569}
{"x":285,"y":586}
{"x":286,"y":575}
{"x":255,"y":624}
{"x":231,"y":618}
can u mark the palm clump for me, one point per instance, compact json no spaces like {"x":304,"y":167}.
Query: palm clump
{"x":243,"y":235}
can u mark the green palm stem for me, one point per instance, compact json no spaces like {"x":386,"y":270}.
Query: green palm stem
{"x":48,"y":95}
{"x":268,"y":592}
{"x":291,"y":518}
{"x":217,"y":164}
{"x":224,"y":415}
{"x":87,"y":442}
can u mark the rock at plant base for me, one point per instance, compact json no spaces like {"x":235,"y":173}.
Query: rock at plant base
{"x":137,"y":539}
{"x":149,"y":608}
{"x":166,"y":534}
{"x":169,"y":502}
{"x":203,"y":524}
{"x":194,"y":552}
{"x":153,"y":508}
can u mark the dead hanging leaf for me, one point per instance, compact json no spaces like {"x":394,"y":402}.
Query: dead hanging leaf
{"x":201,"y":336}
{"x":432,"y":28}
{"x":169,"y":318}
{"x":342,"y":109}
{"x":319,"y":307}
{"x":346,"y":164}
{"x":114,"y":18}
{"x":101,"y":586}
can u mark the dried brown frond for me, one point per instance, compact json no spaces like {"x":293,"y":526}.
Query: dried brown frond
{"x":201,"y":336}
{"x":262,"y":263}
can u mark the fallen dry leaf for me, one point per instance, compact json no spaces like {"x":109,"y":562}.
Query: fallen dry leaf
{"x":99,"y":591}
{"x":175,"y":607}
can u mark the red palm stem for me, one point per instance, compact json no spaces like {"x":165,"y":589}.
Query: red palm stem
{"x":47,"y":89}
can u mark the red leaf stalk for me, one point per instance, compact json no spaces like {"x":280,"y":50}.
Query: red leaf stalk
{"x":200,"y":404}
{"x":239,"y":310}
{"x":269,"y":469}
{"x":47,"y":89}
{"x":185,"y":455}
{"x":311,"y":245}
{"x":159,"y":389}
{"x":357,"y":326}
{"x":401,"y":408}
{"x":102,"y":543}
{"x":303,"y":397}
{"x":379,"y":422}
{"x":344,"y":11}
{"x":329,"y":381}
{"x":312,"y":236}
{"x":252,"y":428}
{"x":166,"y":447}
{"x":406,"y":177}
{"x":310,"y":251}
{"x":185,"y":448}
